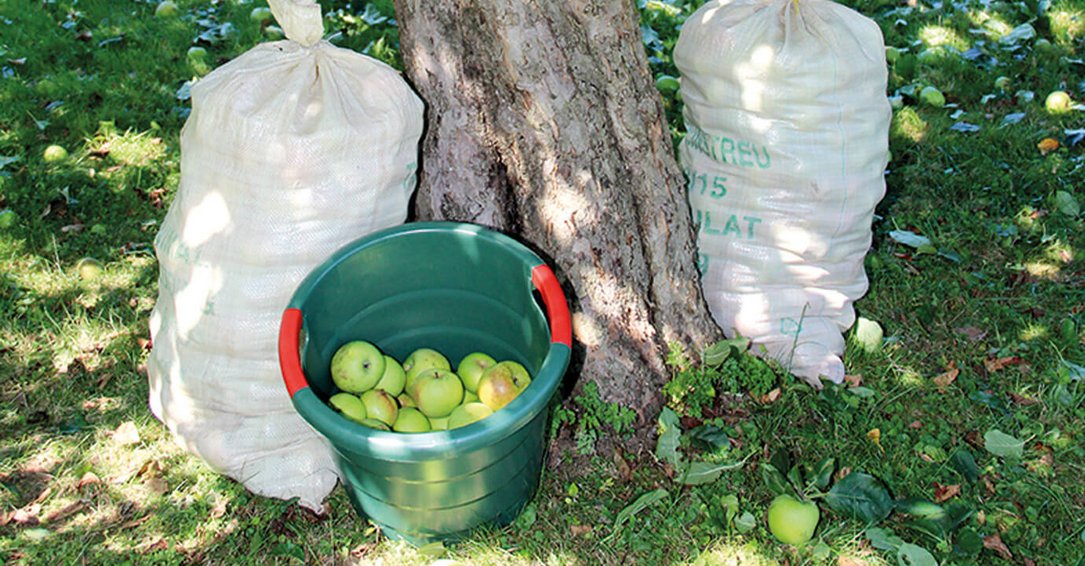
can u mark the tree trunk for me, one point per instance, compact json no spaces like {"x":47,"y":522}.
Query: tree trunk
{"x":543,"y":122}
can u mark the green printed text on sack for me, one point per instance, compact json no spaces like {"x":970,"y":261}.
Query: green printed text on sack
{"x":723,"y":149}
{"x":724,"y":225}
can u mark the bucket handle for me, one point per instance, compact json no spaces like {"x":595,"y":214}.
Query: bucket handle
{"x":542,"y":277}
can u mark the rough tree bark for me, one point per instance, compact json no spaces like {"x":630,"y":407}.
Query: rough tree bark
{"x":543,"y":122}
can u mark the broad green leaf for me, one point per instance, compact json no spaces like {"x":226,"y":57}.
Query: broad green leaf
{"x":794,"y":475}
{"x":718,"y":353}
{"x":968,"y":543}
{"x":704,"y":472}
{"x":1003,"y":445}
{"x":883,"y":539}
{"x":644,"y":501}
{"x":861,"y":392}
{"x":773,"y":479}
{"x":711,"y":434}
{"x":965,"y":464}
{"x":729,"y":503}
{"x":1067,"y":204}
{"x":823,"y":473}
{"x":746,"y":522}
{"x":911,"y":555}
{"x":669,"y":437}
{"x":860,"y":496}
{"x":912,"y":240}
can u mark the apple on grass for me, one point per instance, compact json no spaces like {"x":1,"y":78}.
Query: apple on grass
{"x":350,"y":406}
{"x":393,"y":379}
{"x":380,"y":405}
{"x":502,"y":383}
{"x":421,"y":360}
{"x":471,"y":368}
{"x":411,"y":419}
{"x":792,"y":521}
{"x":468,"y":413}
{"x":436,"y":392}
{"x":357,"y":366}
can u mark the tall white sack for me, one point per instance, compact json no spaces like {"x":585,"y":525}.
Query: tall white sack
{"x":292,"y":150}
{"x":787,"y":125}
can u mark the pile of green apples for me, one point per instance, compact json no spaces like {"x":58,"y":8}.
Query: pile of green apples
{"x":422,"y":393}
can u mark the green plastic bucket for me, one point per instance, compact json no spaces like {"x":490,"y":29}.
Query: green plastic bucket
{"x":458,"y":288}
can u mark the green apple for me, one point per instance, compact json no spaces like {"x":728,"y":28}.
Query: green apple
{"x":471,"y":368}
{"x":411,"y":420}
{"x":667,"y":84}
{"x":274,"y":33}
{"x":469,"y":396}
{"x":1002,"y":83}
{"x":350,"y":406}
{"x":8,"y":218}
{"x":260,"y":15}
{"x":54,"y":153}
{"x":932,"y":96}
{"x":438,"y":423}
{"x":89,"y":268}
{"x":869,"y":334}
{"x":405,"y":401}
{"x":792,"y":521}
{"x":357,"y":366}
{"x":423,"y":359}
{"x":502,"y":383}
{"x":437,"y":392}
{"x":165,"y":9}
{"x":468,"y":413}
{"x":374,"y":423}
{"x":1058,"y":102}
{"x":1043,"y":46}
{"x":380,"y":405}
{"x":196,"y":52}
{"x":393,"y":379}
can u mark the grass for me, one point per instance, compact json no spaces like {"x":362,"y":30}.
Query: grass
{"x":996,"y":302}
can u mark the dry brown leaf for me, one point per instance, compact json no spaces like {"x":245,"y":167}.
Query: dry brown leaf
{"x":625,"y":471}
{"x":1047,"y":145}
{"x":153,"y":545}
{"x":579,"y":530}
{"x":988,"y":484}
{"x":943,"y":493}
{"x":1028,"y":561}
{"x":916,"y":425}
{"x":1022,"y":400}
{"x":996,"y":364}
{"x":219,"y":509}
{"x":853,"y":380}
{"x":769,"y":397}
{"x":126,"y":434}
{"x":994,"y":542}
{"x":89,"y":478}
{"x":972,"y":333}
{"x":981,"y":517}
{"x":67,"y":511}
{"x":842,"y":473}
{"x":943,"y":380}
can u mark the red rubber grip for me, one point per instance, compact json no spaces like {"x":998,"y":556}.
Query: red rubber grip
{"x":557,"y":310}
{"x":289,"y":361}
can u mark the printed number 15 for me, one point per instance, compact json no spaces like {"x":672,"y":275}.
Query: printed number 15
{"x":719,"y":189}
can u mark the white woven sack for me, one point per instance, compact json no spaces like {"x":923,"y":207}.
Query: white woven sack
{"x":291,"y":150}
{"x":787,"y":139}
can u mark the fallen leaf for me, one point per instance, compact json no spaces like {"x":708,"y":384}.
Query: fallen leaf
{"x":153,"y":546}
{"x":126,"y":434}
{"x":916,"y":425}
{"x":973,"y":437}
{"x":1047,"y":145}
{"x":219,"y":509}
{"x":1028,"y":561}
{"x":943,"y":493}
{"x":1022,"y":400}
{"x":769,"y":397}
{"x":625,"y":471}
{"x":66,"y":511}
{"x":994,"y":542}
{"x":988,"y":484}
{"x":981,"y":517}
{"x":854,"y":380}
{"x":151,"y":469}
{"x":89,"y":478}
{"x":996,"y":364}
{"x":842,"y":473}
{"x":943,"y":380}
{"x":579,"y":530}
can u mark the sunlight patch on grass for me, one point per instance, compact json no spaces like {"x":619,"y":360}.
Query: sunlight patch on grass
{"x":994,"y":24}
{"x":1043,"y":269}
{"x":909,"y":377}
{"x":723,"y":553}
{"x":908,"y":124}
{"x":1033,"y":332}
{"x":942,"y":36}
{"x":1067,"y":26}
{"x":127,"y":148}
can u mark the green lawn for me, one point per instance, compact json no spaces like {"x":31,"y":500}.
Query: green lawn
{"x":975,"y":398}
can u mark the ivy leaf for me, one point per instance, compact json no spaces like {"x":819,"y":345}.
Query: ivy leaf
{"x":669,"y":436}
{"x":861,"y":496}
{"x":1003,"y":445}
{"x":641,"y":503}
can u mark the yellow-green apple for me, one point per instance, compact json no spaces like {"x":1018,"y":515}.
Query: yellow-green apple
{"x":380,"y":405}
{"x":502,"y":383}
{"x":469,"y":396}
{"x":350,"y":406}
{"x":377,"y":424}
{"x":357,"y":366}
{"x":471,"y":368}
{"x":437,"y":392}
{"x":423,"y":359}
{"x":468,"y":413}
{"x":438,"y":423}
{"x":393,"y":378}
{"x":405,"y":400}
{"x":792,"y":521}
{"x":410,"y":419}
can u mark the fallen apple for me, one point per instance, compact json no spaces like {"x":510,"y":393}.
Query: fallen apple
{"x":792,"y":521}
{"x":274,"y":33}
{"x":502,"y":383}
{"x":357,"y":366}
{"x":1002,"y":83}
{"x":411,"y":419}
{"x":869,"y":334}
{"x":393,"y":379}
{"x":8,"y":218}
{"x":350,"y":406}
{"x":423,"y":359}
{"x":165,"y":9}
{"x":471,"y":368}
{"x":54,"y":153}
{"x":260,"y":15}
{"x":380,"y":405}
{"x":932,"y":96}
{"x":468,"y":413}
{"x":1058,"y":102}
{"x":437,"y":392}
{"x":88,"y":268}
